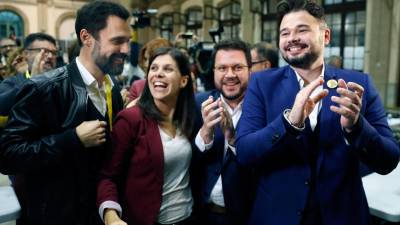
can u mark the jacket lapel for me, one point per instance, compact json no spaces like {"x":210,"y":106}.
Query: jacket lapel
{"x":327,"y":117}
{"x":156,"y":149}
{"x":289,"y":88}
{"x":77,"y":111}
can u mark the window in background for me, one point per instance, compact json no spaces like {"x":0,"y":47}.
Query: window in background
{"x":194,"y":20}
{"x":11,"y":24}
{"x":166,"y":26}
{"x":229,"y":19}
{"x":346,"y":19}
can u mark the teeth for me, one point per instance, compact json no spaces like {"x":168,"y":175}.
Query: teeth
{"x":294,"y":48}
{"x":159,"y":84}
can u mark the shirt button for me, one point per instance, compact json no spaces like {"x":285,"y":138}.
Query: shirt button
{"x":275,"y":138}
{"x":299,"y":212}
{"x":307,"y":182}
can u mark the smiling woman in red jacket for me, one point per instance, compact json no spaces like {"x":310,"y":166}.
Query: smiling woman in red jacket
{"x":146,"y":178}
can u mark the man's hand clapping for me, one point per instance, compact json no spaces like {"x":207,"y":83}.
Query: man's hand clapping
{"x":211,"y":112}
{"x":349,"y":101}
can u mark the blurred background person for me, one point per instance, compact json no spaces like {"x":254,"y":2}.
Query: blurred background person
{"x":335,"y":61}
{"x":263,"y":56}
{"x":7,"y":46}
{"x":40,"y":52}
{"x":37,"y":56}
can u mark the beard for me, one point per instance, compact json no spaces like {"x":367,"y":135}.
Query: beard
{"x":108,"y":65}
{"x":233,"y":96}
{"x":48,"y":65}
{"x":303,"y":62}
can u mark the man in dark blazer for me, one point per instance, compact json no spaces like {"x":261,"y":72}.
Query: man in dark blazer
{"x":58,"y":131}
{"x":307,"y":126}
{"x":224,"y":187}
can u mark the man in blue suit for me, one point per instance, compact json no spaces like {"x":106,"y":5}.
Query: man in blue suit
{"x":224,"y":187}
{"x":307,"y":126}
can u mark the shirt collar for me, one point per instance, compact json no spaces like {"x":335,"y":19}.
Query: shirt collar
{"x":87,"y":77}
{"x":235,"y":110}
{"x":300,"y":79}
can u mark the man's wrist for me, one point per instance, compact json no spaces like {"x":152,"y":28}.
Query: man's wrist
{"x":286,"y":114}
{"x":207,"y":136}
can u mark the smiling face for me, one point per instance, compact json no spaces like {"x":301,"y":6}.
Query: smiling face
{"x":232,"y":84}
{"x":110,"y":51}
{"x":165,"y":80}
{"x":302,"y":39}
{"x":50,"y":54}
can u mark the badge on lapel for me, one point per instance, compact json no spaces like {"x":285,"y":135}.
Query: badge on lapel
{"x":332,"y":83}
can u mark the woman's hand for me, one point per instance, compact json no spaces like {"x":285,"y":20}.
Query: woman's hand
{"x":111,"y":218}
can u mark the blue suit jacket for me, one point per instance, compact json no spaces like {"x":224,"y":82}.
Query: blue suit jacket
{"x":266,"y":141}
{"x":237,"y":181}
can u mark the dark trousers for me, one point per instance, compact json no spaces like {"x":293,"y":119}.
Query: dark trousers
{"x":211,"y":217}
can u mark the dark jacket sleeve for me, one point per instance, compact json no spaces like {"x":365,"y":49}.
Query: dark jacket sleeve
{"x":31,"y":141}
{"x":372,"y":138}
{"x":8,"y":92}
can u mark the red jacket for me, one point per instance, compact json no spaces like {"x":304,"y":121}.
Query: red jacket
{"x":133,"y":172}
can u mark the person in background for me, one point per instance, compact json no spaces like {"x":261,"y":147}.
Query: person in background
{"x":263,"y":56}
{"x":7,"y":46}
{"x":58,"y":130}
{"x":307,"y":126}
{"x":40,"y":53}
{"x":335,"y":61}
{"x":145,"y":180}
{"x":224,"y":188}
{"x":146,"y":51}
{"x":37,"y":56}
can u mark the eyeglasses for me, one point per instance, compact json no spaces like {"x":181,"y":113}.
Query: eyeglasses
{"x":257,"y":62}
{"x":8,"y":46}
{"x":237,"y":68}
{"x":46,"y":50}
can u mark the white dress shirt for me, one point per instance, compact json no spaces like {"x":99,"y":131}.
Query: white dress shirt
{"x":313,"y":117}
{"x":217,"y":196}
{"x":96,"y":92}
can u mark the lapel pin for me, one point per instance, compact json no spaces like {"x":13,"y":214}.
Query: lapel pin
{"x":331,"y":83}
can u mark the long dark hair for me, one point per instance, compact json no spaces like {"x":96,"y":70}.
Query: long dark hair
{"x":185,"y":105}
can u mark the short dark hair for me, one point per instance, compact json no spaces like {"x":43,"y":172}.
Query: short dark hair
{"x":38,"y":37}
{"x":287,"y":6}
{"x":185,"y":105}
{"x":266,"y":53}
{"x":93,"y":17}
{"x":232,"y":44}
